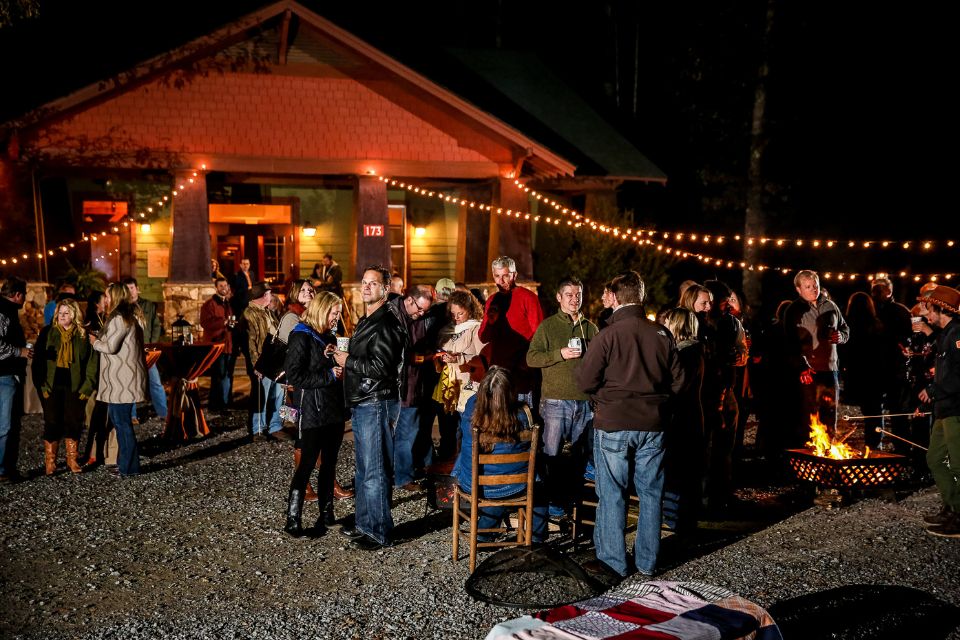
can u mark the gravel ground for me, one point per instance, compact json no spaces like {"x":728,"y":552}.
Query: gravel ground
{"x":194,"y":548}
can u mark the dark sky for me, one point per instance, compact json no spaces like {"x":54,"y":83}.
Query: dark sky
{"x":859,"y":138}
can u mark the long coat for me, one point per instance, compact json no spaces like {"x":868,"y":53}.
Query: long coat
{"x":123,"y":371}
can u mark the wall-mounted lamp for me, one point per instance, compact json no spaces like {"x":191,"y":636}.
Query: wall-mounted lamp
{"x":309,"y":230}
{"x":419,"y":231}
{"x":145,"y":227}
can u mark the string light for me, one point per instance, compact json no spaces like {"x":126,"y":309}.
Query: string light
{"x":583,"y":223}
{"x":18,"y":259}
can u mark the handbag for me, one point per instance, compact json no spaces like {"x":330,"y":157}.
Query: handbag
{"x":270,"y":362}
{"x":290,"y":412}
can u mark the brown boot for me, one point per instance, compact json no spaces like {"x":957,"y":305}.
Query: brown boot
{"x":340,"y":493}
{"x":50,"y":456}
{"x":309,"y":495}
{"x":72,"y":456}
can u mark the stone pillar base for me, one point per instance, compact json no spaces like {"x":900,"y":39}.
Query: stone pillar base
{"x":186,"y":298}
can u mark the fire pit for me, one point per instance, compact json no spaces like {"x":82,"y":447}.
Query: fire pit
{"x":880,"y":469}
{"x":832,"y":464}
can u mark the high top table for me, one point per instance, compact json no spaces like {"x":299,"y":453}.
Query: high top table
{"x":186,"y":363}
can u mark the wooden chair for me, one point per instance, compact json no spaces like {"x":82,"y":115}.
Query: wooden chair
{"x":584,"y":510}
{"x":522,"y":502}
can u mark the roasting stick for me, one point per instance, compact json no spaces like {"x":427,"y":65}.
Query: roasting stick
{"x":914,"y":414}
{"x":893,"y":435}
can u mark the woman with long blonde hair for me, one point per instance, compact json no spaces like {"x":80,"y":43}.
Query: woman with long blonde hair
{"x":123,"y":372}
{"x":71,"y":369}
{"x":317,"y":393}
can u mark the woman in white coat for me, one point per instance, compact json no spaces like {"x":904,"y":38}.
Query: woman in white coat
{"x":123,"y":372}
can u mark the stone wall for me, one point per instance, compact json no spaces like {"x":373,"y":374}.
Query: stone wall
{"x":185,"y":298}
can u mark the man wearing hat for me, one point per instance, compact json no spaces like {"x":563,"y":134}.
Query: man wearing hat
{"x":942,"y":305}
{"x":267,"y":394}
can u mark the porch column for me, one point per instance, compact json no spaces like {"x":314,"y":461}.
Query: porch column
{"x":509,"y":236}
{"x":190,"y":251}
{"x":372,"y":224}
{"x":473,"y":236}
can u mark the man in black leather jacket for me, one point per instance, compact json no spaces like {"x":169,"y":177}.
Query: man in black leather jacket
{"x":373,"y":376}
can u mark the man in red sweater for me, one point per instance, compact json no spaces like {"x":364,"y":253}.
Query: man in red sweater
{"x":510,"y":319}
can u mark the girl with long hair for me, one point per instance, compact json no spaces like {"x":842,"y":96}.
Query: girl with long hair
{"x":685,"y":461}
{"x":123,"y":372}
{"x":71,"y":369}
{"x":318,"y":394}
{"x":501,"y":421}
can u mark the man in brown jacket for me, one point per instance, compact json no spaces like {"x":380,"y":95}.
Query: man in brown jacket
{"x":267,"y":394}
{"x":631,"y":371}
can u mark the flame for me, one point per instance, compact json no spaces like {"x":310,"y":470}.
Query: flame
{"x":823,"y":446}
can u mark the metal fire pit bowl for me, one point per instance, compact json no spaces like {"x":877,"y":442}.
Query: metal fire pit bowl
{"x":879,"y":470}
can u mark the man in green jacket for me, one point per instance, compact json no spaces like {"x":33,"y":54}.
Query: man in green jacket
{"x":557,"y":348}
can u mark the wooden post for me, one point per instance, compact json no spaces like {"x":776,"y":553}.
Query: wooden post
{"x":190,"y":253}
{"x":372,"y":224}
{"x":514,"y":238}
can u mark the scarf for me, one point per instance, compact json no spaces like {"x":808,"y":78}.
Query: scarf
{"x":65,"y":352}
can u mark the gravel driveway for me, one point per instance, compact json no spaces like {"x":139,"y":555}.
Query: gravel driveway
{"x":193,"y":548}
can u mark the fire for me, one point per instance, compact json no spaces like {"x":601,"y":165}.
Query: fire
{"x":823,"y":446}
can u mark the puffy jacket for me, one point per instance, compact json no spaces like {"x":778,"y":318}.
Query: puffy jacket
{"x":374,"y":369}
{"x":316,"y":391}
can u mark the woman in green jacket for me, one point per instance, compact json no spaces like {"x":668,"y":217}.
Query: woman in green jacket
{"x":70,"y":379}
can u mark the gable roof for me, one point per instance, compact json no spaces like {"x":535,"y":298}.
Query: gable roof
{"x":514,"y":97}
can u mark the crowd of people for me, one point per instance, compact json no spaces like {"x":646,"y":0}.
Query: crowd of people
{"x":651,"y":406}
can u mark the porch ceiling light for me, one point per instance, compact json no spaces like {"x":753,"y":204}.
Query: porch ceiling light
{"x":419,"y":231}
{"x":309,"y":230}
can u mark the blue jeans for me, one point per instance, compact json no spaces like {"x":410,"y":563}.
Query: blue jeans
{"x":613,"y":453}
{"x":11,"y":393}
{"x":158,"y":397}
{"x":267,"y":415}
{"x":221,"y":382}
{"x":128,"y":457}
{"x":490,"y":517}
{"x":564,"y":420}
{"x":404,"y":437}
{"x":373,"y":425}
{"x":411,"y":451}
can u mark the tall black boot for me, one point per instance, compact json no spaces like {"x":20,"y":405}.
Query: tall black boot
{"x":294,"y":524}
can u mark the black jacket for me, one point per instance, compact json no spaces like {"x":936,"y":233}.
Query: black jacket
{"x":945,"y":389}
{"x":316,"y":391}
{"x":11,"y":340}
{"x":374,"y":370}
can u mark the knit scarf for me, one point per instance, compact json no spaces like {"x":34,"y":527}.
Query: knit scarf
{"x":65,"y":352}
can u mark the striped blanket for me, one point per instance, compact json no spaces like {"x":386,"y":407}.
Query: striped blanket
{"x":655,"y":610}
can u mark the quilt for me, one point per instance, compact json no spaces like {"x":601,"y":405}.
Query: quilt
{"x":655,"y":610}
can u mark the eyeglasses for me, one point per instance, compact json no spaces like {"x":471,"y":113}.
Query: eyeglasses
{"x":419,"y":308}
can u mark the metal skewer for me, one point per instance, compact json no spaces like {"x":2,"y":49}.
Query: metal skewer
{"x":893,"y":435}
{"x":917,"y":414}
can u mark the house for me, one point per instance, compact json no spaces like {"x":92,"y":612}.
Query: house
{"x":269,"y":137}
